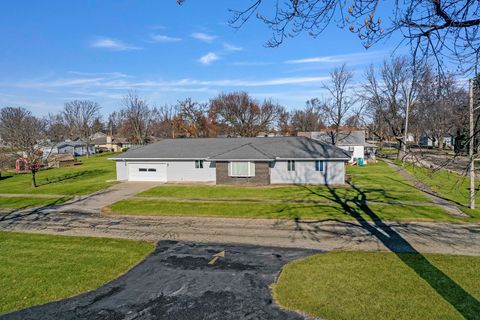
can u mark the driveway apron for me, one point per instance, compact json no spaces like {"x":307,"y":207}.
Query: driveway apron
{"x":184,"y":280}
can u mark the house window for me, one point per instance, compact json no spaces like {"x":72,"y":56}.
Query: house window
{"x":241,"y":169}
{"x":291,"y":165}
{"x":319,"y":165}
{"x":142,"y":169}
{"x":152,"y":170}
{"x":199,"y":164}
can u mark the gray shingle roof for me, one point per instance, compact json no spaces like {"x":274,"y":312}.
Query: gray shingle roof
{"x":352,"y":138}
{"x":237,"y":149}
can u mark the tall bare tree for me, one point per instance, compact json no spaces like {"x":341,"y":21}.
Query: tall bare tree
{"x":192,"y":120}
{"x":24,"y":134}
{"x":341,"y":100}
{"x":137,"y":117}
{"x":309,"y":118}
{"x":80,"y":117}
{"x":238,"y":114}
{"x":386,"y":93}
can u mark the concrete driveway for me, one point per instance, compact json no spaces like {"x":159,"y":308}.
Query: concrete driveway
{"x":177,"y":282}
{"x":95,"y":201}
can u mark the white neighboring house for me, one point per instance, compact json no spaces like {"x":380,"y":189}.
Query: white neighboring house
{"x":352,"y":141}
{"x":76,"y":148}
{"x":238,"y":161}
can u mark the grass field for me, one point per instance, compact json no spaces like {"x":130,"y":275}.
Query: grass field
{"x":21,"y":203}
{"x":277,"y":210}
{"x":369,"y":180}
{"x":375,"y":183}
{"x":90,"y":176}
{"x":361,"y":285}
{"x":36,"y":269}
{"x":449,"y":185}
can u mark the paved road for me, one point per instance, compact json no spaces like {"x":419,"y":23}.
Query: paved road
{"x":176,"y":282}
{"x":323,"y":235}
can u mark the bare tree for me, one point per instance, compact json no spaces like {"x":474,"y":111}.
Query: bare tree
{"x":24,"y":134}
{"x":192,"y":120}
{"x":386,"y":93}
{"x":341,"y":100}
{"x":137,"y":117}
{"x":166,"y":125}
{"x":440,"y":106}
{"x":80,"y":117}
{"x":309,"y":118}
{"x":57,"y":130}
{"x":238,"y":114}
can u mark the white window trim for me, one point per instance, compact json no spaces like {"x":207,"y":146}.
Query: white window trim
{"x":199,"y":164}
{"x":321,"y":165}
{"x":291,"y":165}
{"x":251,"y":169}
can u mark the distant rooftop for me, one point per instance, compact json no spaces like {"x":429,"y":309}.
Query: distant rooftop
{"x":345,"y":138}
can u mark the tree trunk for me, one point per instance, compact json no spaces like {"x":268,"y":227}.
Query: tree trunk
{"x":34,"y":181}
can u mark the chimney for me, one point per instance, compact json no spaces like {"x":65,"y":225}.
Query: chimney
{"x":109,"y":139}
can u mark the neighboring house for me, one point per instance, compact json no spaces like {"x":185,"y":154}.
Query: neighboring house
{"x":352,"y":141}
{"x":112,"y":143}
{"x":243,"y":161}
{"x":76,"y":148}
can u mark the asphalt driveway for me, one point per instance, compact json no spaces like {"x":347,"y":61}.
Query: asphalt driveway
{"x":177,"y":282}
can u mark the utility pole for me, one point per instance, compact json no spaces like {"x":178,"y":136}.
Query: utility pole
{"x":471,"y":149}
{"x":405,"y":134}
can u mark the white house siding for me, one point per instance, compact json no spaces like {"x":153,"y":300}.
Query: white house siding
{"x":333,"y":174}
{"x":178,"y":171}
{"x":358,"y":151}
{"x":122,"y":170}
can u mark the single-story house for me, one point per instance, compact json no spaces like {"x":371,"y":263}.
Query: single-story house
{"x":76,"y":148}
{"x":112,"y":143}
{"x":353,"y":141}
{"x":244,"y":161}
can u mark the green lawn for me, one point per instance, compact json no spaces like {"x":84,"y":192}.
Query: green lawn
{"x":375,"y":183}
{"x":36,"y":269}
{"x":276,"y":210}
{"x":449,"y":185}
{"x":88,"y":177}
{"x":361,"y":285}
{"x":20,"y":202}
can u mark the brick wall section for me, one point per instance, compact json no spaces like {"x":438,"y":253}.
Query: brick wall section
{"x":262,"y":175}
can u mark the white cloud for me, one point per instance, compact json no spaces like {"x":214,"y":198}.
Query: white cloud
{"x":163,"y":38}
{"x":113,"y":44}
{"x":208,"y":58}
{"x":119,"y":82}
{"x":231,"y":47}
{"x":205,"y":37}
{"x":352,"y":57}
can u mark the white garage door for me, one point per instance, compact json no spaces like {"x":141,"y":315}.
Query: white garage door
{"x":147,"y":171}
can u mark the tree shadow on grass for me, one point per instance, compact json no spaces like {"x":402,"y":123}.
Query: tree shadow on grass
{"x":71,"y":176}
{"x":24,"y":211}
{"x":447,"y":288}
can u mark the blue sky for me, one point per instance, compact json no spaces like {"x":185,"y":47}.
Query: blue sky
{"x":55,"y":51}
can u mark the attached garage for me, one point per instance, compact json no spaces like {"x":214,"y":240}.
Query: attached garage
{"x":147,"y":171}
